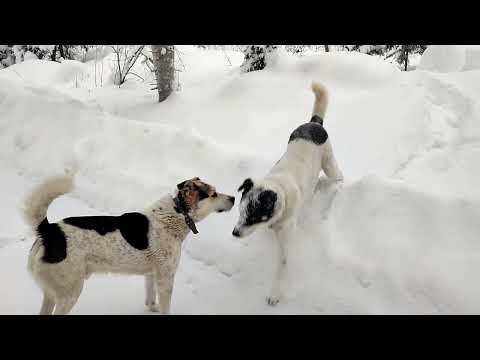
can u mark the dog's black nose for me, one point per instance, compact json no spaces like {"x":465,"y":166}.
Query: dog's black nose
{"x":235,"y":233}
{"x":232,"y":199}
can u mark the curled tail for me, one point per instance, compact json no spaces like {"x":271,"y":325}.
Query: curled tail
{"x":36,"y":204}
{"x":321,"y":102}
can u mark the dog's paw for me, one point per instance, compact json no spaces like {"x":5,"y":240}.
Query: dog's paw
{"x":153,"y":307}
{"x":274,"y":297}
{"x":273,"y":300}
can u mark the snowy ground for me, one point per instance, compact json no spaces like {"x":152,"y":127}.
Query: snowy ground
{"x":401,"y":237}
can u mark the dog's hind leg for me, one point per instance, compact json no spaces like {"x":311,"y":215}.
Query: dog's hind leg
{"x":47,"y":305}
{"x":66,"y":303}
{"x":329,"y":164}
{"x":151,"y":293}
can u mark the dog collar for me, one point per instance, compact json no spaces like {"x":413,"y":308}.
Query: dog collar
{"x":182,"y":210}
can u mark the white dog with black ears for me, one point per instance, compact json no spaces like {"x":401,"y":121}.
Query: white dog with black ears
{"x":146,"y":243}
{"x":276,"y":200}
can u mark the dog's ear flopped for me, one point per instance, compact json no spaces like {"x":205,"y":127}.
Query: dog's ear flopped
{"x":246,"y":186}
{"x":181,"y":185}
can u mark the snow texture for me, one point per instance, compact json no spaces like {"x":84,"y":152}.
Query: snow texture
{"x":400,"y":237}
{"x":450,"y":58}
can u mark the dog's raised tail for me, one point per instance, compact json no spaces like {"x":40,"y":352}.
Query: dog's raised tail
{"x":37,"y":203}
{"x":321,"y":101}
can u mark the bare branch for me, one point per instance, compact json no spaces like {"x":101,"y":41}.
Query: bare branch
{"x":137,"y":75}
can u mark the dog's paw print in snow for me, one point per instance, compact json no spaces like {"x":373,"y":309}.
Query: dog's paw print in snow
{"x":20,"y":142}
{"x":363,"y":280}
{"x":189,"y":281}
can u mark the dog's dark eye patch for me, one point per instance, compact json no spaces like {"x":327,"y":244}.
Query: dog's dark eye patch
{"x":214,"y":195}
{"x":262,"y":209}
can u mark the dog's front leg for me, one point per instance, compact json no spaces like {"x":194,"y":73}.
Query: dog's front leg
{"x":151,"y":294}
{"x":282,"y":238}
{"x":164,"y":287}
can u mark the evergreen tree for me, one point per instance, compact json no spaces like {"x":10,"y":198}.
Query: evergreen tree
{"x":40,"y":51}
{"x":401,"y":53}
{"x":7,"y":56}
{"x":256,"y":57}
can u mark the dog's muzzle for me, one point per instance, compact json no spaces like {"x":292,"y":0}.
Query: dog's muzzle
{"x":231,"y":200}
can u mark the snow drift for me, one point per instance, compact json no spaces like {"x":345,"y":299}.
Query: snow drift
{"x":450,"y":58}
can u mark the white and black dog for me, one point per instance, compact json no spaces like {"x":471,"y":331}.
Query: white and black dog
{"x":276,"y":200}
{"x":148,"y":243}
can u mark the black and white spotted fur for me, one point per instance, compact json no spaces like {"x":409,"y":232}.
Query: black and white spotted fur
{"x":146,"y":243}
{"x":276,"y":200}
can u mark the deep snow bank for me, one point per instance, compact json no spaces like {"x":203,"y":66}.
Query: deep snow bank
{"x":450,"y":58}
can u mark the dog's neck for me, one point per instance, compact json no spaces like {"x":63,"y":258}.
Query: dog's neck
{"x":181,"y":207}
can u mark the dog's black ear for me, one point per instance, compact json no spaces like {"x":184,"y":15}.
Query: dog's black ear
{"x":181,"y":185}
{"x":268,"y":198}
{"x":246,"y":186}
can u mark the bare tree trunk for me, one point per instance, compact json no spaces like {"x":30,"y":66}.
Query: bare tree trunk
{"x":54,"y":53}
{"x":406,"y":59}
{"x":163,"y":63}
{"x":327,"y":48}
{"x":60,"y":48}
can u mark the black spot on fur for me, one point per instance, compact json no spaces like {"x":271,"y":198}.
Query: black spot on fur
{"x":246,"y":186}
{"x":261,"y":210}
{"x":317,"y":119}
{"x":134,"y":229}
{"x":101,"y":224}
{"x":312,"y":131}
{"x":54,"y":242}
{"x":133,"y":226}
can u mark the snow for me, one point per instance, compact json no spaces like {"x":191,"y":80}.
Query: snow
{"x":400,"y":237}
{"x":442,"y":58}
{"x":472,"y":58}
{"x":450,"y":58}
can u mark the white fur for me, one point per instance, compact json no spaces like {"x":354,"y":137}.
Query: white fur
{"x":36,"y":204}
{"x":321,"y":99}
{"x":294,"y":178}
{"x":88,"y":252}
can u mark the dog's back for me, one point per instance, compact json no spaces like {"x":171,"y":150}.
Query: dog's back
{"x":306,"y":147}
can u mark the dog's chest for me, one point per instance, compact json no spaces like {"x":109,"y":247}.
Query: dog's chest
{"x":167,"y":231}
{"x":166,"y":226}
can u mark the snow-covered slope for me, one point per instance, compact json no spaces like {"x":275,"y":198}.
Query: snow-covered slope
{"x":450,"y":58}
{"x":400,"y":237}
